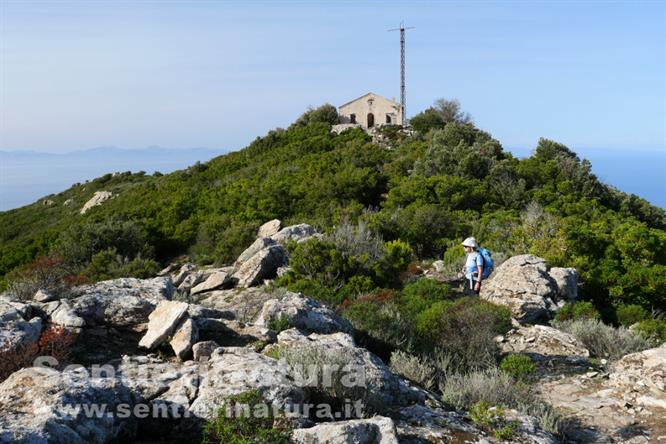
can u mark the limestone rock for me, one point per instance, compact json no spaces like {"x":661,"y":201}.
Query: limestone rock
{"x":66,"y":316}
{"x":522,"y":283}
{"x":203,"y":350}
{"x":186,"y":334}
{"x":243,"y":304}
{"x":258,"y":245}
{"x":44,"y":296}
{"x":377,"y":430}
{"x":382,"y":390}
{"x":303,"y":313}
{"x":162,"y":322}
{"x":297,"y":233}
{"x":566,"y":281}
{"x":234,"y":370}
{"x":218,"y":279}
{"x":263,"y":265}
{"x":184,"y":271}
{"x":37,"y":407}
{"x":269,"y":228}
{"x":544,"y":342}
{"x":124,"y":302}
{"x":19,"y":334}
{"x":98,"y":198}
{"x":192,"y":280}
{"x":643,"y":374}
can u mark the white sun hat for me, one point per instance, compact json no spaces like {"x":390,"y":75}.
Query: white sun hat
{"x":470,"y":242}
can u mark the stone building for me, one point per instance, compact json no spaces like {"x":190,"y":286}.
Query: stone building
{"x":371,"y":110}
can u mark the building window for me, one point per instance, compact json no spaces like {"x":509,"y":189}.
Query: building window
{"x":352,"y":118}
{"x":388,"y":119}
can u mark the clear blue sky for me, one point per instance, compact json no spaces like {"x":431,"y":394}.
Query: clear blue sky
{"x":80,"y":74}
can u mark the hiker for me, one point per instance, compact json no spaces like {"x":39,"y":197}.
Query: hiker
{"x":473,"y":268}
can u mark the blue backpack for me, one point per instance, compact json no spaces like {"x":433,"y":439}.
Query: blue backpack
{"x":488,"y":265}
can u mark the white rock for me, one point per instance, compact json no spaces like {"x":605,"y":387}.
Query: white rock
{"x":44,"y":296}
{"x":297,"y":233}
{"x":98,"y":198}
{"x":186,"y":334}
{"x":269,"y":228}
{"x":263,"y":265}
{"x":219,"y":279}
{"x":377,"y":430}
{"x":162,"y":322}
{"x":303,"y":313}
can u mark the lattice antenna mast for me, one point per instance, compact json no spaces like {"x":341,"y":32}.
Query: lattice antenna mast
{"x":403,"y":95}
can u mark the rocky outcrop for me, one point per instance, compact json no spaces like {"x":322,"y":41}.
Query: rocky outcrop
{"x":98,"y":199}
{"x":269,"y":228}
{"x":124,"y":302}
{"x":542,"y":343}
{"x":261,"y":266}
{"x":566,"y":281}
{"x":186,"y":334}
{"x":217,"y":280}
{"x":642,"y":376}
{"x":203,"y":350}
{"x":524,"y":285}
{"x":43,"y":405}
{"x":294,"y":233}
{"x":44,"y":296}
{"x":163,"y":322}
{"x":377,"y":430}
{"x":304,"y":313}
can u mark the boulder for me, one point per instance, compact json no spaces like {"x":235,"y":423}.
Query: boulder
{"x":202,"y":350}
{"x":218,"y":279}
{"x":269,"y":228}
{"x":263,"y":265}
{"x":566,"y":281}
{"x":184,"y":271}
{"x":42,"y":405}
{"x":98,"y":198}
{"x":376,"y":430}
{"x":243,"y":304}
{"x":19,"y":334}
{"x":295,"y":233}
{"x":65,"y":315}
{"x":162,"y":322}
{"x":192,"y":280}
{"x":44,"y":296}
{"x":543,"y":342}
{"x":642,"y":376}
{"x":304,"y":313}
{"x":370,"y":379}
{"x":234,"y":370}
{"x":184,"y":337}
{"x":251,"y":251}
{"x":124,"y":302}
{"x":522,"y":283}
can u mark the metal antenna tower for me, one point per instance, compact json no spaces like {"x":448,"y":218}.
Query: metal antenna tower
{"x":403,"y":96}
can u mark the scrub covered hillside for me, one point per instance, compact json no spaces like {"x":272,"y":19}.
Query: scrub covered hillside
{"x":418,"y":195}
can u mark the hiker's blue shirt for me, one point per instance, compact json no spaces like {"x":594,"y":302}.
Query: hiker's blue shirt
{"x":474,"y":262}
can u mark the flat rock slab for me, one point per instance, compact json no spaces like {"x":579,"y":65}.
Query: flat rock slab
{"x":162,"y":322}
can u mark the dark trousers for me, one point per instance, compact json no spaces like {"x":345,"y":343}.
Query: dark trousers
{"x":468,"y":290}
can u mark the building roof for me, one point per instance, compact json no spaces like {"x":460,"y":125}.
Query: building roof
{"x":367,"y":94}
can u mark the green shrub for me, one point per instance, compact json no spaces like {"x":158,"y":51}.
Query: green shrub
{"x":421,"y":295}
{"x":604,"y":341}
{"x":466,"y":330}
{"x":652,"y":329}
{"x":245,"y":419}
{"x":415,"y":368}
{"x":497,"y":388}
{"x":520,"y":367}
{"x":492,"y":419}
{"x":577,"y":310}
{"x":630,"y":314}
{"x":280,"y":324}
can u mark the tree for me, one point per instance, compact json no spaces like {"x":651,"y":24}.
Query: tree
{"x":450,"y":111}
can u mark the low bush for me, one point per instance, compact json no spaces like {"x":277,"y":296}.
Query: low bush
{"x":46,"y":273}
{"x":520,"y":367}
{"x":415,"y":368}
{"x":605,"y":341}
{"x":630,"y":314}
{"x":492,"y":419}
{"x":577,"y":310}
{"x":466,"y":329}
{"x":280,"y":324}
{"x":245,"y":419}
{"x":652,"y":329}
{"x":497,"y":388}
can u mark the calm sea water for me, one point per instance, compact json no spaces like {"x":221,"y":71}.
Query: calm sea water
{"x":27,"y":177}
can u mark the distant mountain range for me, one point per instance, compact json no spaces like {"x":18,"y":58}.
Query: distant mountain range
{"x":26,"y":176}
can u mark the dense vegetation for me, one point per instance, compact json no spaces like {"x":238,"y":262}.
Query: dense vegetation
{"x":413,"y":200}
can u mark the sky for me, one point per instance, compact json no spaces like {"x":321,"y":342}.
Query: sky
{"x":217,"y":74}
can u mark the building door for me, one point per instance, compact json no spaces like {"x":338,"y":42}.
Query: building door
{"x":371,"y":120}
